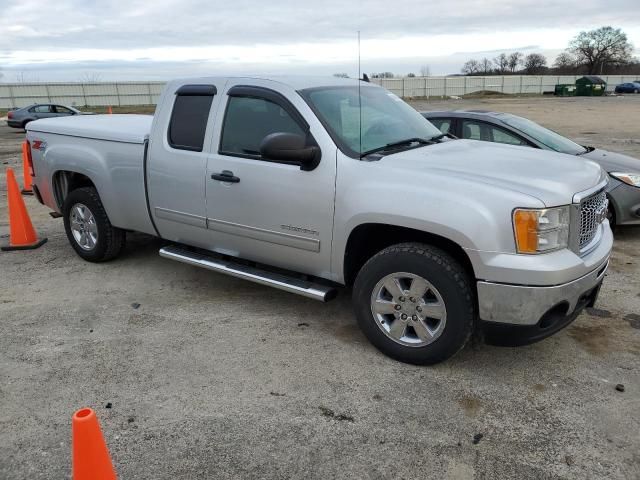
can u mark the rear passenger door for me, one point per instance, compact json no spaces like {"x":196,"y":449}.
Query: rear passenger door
{"x":270,"y":212}
{"x":178,"y":151}
{"x":42,"y":111}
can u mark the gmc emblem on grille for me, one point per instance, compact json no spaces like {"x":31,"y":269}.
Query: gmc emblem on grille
{"x":601,"y":214}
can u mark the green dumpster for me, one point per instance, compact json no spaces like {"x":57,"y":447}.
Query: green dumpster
{"x":565,"y":90}
{"x":590,"y":86}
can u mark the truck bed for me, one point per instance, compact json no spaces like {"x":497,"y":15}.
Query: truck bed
{"x":115,"y":128}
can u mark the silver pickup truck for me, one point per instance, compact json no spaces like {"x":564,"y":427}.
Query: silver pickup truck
{"x":310,"y":184}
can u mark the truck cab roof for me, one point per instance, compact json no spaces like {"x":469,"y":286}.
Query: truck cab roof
{"x":296,"y":82}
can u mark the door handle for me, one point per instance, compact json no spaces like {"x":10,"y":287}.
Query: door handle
{"x":226,"y":176}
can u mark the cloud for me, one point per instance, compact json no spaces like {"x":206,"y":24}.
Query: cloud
{"x":279,"y":34}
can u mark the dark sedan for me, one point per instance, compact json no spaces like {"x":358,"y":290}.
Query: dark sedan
{"x":631,"y":87}
{"x":624,"y":171}
{"x":20,"y":117}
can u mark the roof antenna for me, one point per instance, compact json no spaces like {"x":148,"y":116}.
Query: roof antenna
{"x":359,"y":97}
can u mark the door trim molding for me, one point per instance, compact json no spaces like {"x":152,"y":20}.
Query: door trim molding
{"x":181,"y":217}
{"x":264,"y":235}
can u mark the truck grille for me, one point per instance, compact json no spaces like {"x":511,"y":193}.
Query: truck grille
{"x":593,"y":210}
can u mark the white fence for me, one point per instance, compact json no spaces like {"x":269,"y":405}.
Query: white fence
{"x":80,"y":94}
{"x":515,"y":84}
{"x":146,"y":93}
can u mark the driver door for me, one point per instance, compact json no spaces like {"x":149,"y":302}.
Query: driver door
{"x":262,"y":210}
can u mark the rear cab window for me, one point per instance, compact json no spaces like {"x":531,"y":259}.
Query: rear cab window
{"x":188,"y":122}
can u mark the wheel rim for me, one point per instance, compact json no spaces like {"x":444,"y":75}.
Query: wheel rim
{"x":83,"y":226}
{"x":408,"y":309}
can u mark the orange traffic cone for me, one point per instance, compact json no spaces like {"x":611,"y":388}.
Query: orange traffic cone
{"x":91,"y":460}
{"x":27,"y":188}
{"x":22,"y":235}
{"x":109,"y":110}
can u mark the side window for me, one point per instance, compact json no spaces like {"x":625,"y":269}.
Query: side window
{"x":502,"y":136}
{"x":63,"y":110}
{"x":41,"y":109}
{"x":474,"y":130}
{"x":442,"y":124}
{"x":188,"y":122}
{"x":248,"y":120}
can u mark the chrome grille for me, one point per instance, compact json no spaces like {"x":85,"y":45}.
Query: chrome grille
{"x":593,"y":210}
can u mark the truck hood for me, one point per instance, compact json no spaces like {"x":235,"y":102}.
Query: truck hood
{"x":553,"y":178}
{"x":614,"y":162}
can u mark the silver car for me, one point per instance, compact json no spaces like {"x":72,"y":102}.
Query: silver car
{"x":623,"y":189}
{"x":20,"y":117}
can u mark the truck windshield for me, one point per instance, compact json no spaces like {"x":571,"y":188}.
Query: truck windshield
{"x":549,"y":138}
{"x":384,"y":118}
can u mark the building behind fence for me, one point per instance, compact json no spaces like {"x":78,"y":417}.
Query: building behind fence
{"x":146,"y":93}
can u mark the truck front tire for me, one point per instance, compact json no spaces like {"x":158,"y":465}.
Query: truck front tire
{"x":414,"y":302}
{"x":88,"y":228}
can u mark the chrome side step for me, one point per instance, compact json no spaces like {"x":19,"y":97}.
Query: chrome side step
{"x":253,"y":274}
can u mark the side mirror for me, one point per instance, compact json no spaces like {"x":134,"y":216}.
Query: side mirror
{"x":290,"y":147}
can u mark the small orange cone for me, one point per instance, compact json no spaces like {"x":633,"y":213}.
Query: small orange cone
{"x":22,"y":235}
{"x":27,"y":188}
{"x":91,"y":460}
{"x":109,"y":110}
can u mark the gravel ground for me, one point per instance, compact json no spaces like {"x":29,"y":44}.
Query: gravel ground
{"x":211,"y":377}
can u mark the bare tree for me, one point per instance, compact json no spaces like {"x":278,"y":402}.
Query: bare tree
{"x":565,"y":63}
{"x":24,"y":77}
{"x":91,"y":77}
{"x":471,"y":67}
{"x":502,"y":63}
{"x":534,"y":63}
{"x":601,"y":47}
{"x":485,"y":66}
{"x":425,"y":71}
{"x":515,"y":59}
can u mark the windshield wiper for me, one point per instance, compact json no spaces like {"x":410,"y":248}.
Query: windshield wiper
{"x":586,"y":150}
{"x":438,"y":137}
{"x":400,"y":143}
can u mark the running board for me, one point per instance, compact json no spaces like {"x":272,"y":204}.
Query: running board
{"x":253,"y":274}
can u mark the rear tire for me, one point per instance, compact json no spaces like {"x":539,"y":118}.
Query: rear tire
{"x":88,"y":228}
{"x":444,"y":314}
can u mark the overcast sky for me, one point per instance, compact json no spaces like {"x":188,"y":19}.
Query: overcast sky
{"x":42,"y":40}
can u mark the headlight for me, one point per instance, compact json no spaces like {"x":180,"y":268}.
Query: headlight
{"x":541,"y":230}
{"x":628,"y":178}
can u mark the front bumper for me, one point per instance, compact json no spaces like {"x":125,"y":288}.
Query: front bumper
{"x":507,"y":335}
{"x":527,"y":305}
